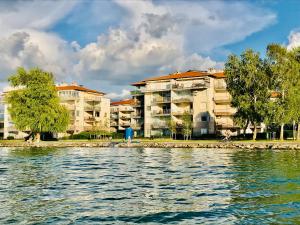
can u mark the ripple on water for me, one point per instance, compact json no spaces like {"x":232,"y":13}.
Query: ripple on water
{"x":149,"y":186}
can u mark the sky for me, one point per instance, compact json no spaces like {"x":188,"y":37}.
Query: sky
{"x":108,"y":44}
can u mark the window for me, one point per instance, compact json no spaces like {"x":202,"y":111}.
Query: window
{"x":97,"y":114}
{"x":204,"y":118}
{"x":203,"y":130}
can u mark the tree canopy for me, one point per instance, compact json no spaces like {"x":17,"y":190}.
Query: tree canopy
{"x":34,"y":105}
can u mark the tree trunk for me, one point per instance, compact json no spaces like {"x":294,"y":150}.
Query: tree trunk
{"x":245,"y":128}
{"x":281,"y":131}
{"x":294,"y":130}
{"x":254,"y":132}
{"x":37,"y":137}
{"x":298,"y":131}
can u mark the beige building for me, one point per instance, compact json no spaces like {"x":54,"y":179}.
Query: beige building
{"x":201,"y":94}
{"x":121,"y":115}
{"x":89,"y":110}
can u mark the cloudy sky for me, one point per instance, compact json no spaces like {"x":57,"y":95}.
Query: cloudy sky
{"x":106,"y":45}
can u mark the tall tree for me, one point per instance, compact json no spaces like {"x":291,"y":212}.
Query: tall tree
{"x":172,"y":126}
{"x":187,"y":125}
{"x":248,"y":84}
{"x":284,"y":69}
{"x":34,"y":105}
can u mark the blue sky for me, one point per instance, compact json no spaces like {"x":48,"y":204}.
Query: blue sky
{"x":106,"y":45}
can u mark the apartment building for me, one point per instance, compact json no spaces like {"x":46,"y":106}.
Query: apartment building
{"x":89,"y":110}
{"x":121,"y":115}
{"x":201,"y":94}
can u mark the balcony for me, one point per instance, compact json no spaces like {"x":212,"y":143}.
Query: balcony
{"x":158,"y":88}
{"x":136,"y":93}
{"x":222,"y":101}
{"x":161,"y":100}
{"x":165,"y":112}
{"x":114,"y":124}
{"x":160,"y":125}
{"x":220,"y":88}
{"x":136,"y":115}
{"x":137,"y":104}
{"x":68,"y":98}
{"x":88,"y":107}
{"x":125,"y":116}
{"x":223,"y":112}
{"x":182,"y":99}
{"x":114,"y":116}
{"x":136,"y":126}
{"x":193,"y":86}
{"x":125,"y":124}
{"x":126,"y":109}
{"x":89,"y":118}
{"x":182,"y":112}
{"x":69,"y":107}
{"x":92,"y":98}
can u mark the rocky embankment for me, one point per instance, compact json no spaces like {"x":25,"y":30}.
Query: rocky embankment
{"x":217,"y":145}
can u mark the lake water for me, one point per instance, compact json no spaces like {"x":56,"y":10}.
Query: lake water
{"x":149,"y":186}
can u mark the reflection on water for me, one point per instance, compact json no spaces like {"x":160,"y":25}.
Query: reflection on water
{"x":148,"y":186}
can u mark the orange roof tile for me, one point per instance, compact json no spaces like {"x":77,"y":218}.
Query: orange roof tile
{"x":123,"y":102}
{"x":78,"y":88}
{"x":188,"y":74}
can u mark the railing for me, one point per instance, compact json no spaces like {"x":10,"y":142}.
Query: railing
{"x":68,"y":97}
{"x":136,"y":126}
{"x":159,"y":125}
{"x":114,"y":116}
{"x":182,"y":99}
{"x":113,"y":124}
{"x":164,"y":112}
{"x":91,"y":107}
{"x":123,"y":124}
{"x":90,"y":118}
{"x":114,"y":110}
{"x":93,"y":98}
{"x":223,"y":112}
{"x":220,"y":88}
{"x":158,"y":89}
{"x":195,"y":85}
{"x":125,"y":117}
{"x":126,"y":109}
{"x":182,"y":112}
{"x":69,"y":107}
{"x":222,"y":100}
{"x":136,"y":92}
{"x":162,"y":100}
{"x":136,"y":115}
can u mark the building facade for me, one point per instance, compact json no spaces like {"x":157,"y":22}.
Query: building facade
{"x":89,"y":110}
{"x":200,"y":94}
{"x":121,"y":115}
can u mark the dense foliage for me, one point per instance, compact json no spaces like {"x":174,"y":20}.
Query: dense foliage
{"x":265,"y":90}
{"x":34,"y":105}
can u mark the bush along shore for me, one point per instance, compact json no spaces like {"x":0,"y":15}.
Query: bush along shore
{"x":217,"y":145}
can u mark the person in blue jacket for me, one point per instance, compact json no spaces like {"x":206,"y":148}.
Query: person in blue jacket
{"x":129,"y":134}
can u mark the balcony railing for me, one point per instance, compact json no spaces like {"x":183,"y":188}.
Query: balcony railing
{"x":136,"y":115}
{"x":113,"y":124}
{"x":223,"y":112}
{"x":136,"y":92}
{"x":195,"y":85}
{"x":124,"y":117}
{"x":114,"y":116}
{"x":182,"y":112}
{"x":125,"y":124}
{"x":159,"y":125}
{"x":69,"y":107}
{"x":222,"y":100}
{"x":220,"y":88}
{"x":136,"y":126}
{"x":89,"y":118}
{"x":68,"y":97}
{"x":158,"y":100}
{"x":92,"y":98}
{"x":92,"y":107}
{"x":165,"y":112}
{"x":126,"y":109}
{"x":158,"y":89}
{"x":182,"y":99}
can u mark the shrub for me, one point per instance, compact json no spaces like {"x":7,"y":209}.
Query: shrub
{"x":10,"y":138}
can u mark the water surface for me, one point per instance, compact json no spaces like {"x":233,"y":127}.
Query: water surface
{"x":149,"y":186}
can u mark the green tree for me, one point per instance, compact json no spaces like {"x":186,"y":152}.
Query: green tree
{"x":284,"y":68}
{"x":172,"y":126}
{"x":187,"y":125}
{"x":248,"y":83}
{"x":34,"y":105}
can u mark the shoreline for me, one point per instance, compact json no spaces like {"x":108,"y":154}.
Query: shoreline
{"x":287,"y":145}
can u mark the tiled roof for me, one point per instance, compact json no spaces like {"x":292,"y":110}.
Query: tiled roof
{"x":188,"y":74}
{"x":78,"y":88}
{"x":123,"y":102}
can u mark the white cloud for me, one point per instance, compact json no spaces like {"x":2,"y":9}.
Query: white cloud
{"x":117,"y":96}
{"x":151,"y":38}
{"x":294,"y":40}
